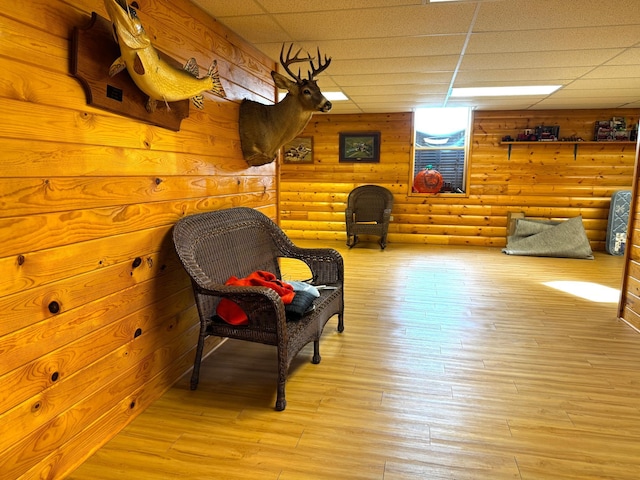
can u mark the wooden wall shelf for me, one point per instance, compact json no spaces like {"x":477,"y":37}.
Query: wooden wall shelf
{"x":574,"y":143}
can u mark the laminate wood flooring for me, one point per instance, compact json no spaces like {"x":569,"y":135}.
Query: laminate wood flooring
{"x":455,"y":363}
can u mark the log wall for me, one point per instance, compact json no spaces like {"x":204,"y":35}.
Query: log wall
{"x":97,"y":317}
{"x":629,"y":306}
{"x":546,"y":180}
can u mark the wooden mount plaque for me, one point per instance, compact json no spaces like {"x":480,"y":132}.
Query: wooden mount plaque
{"x":93,"y":50}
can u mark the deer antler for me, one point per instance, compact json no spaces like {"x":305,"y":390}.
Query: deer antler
{"x":321,"y":68}
{"x":295,"y":59}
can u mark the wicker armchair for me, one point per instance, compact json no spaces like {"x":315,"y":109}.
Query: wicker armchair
{"x":368,"y":213}
{"x":216,"y":245}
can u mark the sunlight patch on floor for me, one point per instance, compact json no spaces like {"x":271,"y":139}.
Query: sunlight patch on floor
{"x":587,"y":290}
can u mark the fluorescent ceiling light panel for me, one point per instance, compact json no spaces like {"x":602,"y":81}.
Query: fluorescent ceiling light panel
{"x":335,"y":96}
{"x":331,"y":96}
{"x":504,"y":91}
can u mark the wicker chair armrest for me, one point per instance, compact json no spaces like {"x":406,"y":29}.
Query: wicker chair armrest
{"x":326,"y":264}
{"x":263,"y":305}
{"x":229,"y":291}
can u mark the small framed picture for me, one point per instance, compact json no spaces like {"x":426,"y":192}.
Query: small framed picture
{"x":298,"y":150}
{"x":361,"y":147}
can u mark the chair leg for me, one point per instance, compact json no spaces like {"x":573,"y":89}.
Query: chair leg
{"x":195,"y":375}
{"x":281,"y":402}
{"x":351,"y":240}
{"x":340,"y":323}
{"x":316,"y":352}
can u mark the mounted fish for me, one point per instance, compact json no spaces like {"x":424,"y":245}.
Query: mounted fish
{"x":149,"y":71}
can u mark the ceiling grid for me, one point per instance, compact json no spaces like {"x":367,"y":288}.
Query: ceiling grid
{"x":398,"y":55}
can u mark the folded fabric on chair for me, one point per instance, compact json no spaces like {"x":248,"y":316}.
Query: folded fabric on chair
{"x":231,"y":312}
{"x":300,"y":286}
{"x":302,"y":303}
{"x":549,"y":239}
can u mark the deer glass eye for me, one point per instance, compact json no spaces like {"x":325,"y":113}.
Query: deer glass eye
{"x":306,"y":91}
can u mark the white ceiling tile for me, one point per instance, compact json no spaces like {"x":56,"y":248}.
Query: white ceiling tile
{"x":602,"y":83}
{"x":397,"y":98}
{"x":533,"y":41}
{"x":224,"y":9}
{"x":599,"y":93}
{"x":381,"y":47}
{"x":495,"y":104}
{"x":519,"y":76}
{"x":284,"y":6}
{"x":548,"y":14}
{"x":558,"y":59}
{"x":435,"y":89}
{"x":446,"y":63}
{"x":363,"y":80}
{"x":567,"y":104}
{"x":630,"y":56}
{"x":369,"y":23}
{"x":615,"y":72}
{"x":258,"y":29}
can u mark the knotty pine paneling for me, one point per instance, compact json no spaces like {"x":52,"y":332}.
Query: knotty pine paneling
{"x":546,"y":180}
{"x":98,"y":318}
{"x":629,"y":306}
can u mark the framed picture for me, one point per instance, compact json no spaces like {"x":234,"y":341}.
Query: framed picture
{"x":360,"y":147}
{"x":298,"y":150}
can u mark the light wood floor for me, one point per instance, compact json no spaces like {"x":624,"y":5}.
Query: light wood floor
{"x":455,"y":363}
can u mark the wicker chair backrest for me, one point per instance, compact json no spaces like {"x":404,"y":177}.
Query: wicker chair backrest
{"x":238,"y":241}
{"x":368,"y":202}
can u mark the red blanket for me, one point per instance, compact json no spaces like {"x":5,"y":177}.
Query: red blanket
{"x":230,"y":312}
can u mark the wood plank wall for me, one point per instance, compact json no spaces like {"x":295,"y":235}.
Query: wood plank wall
{"x":629,"y":306}
{"x":97,"y":317}
{"x":543,"y":180}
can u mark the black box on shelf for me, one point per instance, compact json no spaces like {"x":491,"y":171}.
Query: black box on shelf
{"x":547,"y":134}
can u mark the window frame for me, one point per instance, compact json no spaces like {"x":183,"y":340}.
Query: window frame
{"x":467,"y":154}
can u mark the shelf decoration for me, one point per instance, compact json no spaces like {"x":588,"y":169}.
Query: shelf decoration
{"x":614,"y":130}
{"x":541,"y":133}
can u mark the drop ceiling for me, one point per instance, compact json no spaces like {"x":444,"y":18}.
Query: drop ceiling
{"x":398,"y":55}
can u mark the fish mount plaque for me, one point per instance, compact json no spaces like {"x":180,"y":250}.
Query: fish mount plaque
{"x":93,"y":50}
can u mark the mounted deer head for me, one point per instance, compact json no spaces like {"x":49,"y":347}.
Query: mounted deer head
{"x":264,"y":129}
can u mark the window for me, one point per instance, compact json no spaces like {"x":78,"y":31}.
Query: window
{"x":440,"y":143}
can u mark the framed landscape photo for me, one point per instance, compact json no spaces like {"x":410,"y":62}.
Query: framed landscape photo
{"x":298,"y":150}
{"x":361,"y":147}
